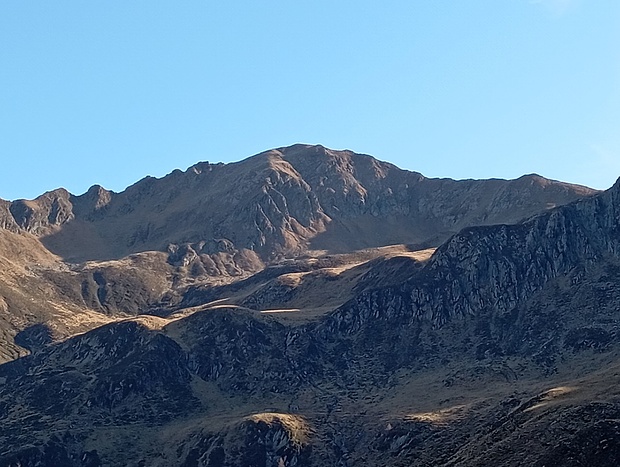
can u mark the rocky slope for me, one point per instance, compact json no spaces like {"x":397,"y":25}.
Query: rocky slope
{"x":499,"y":348}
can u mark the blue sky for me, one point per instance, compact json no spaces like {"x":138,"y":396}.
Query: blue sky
{"x":111,"y":91}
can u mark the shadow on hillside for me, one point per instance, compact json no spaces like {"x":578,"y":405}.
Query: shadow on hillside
{"x":34,"y":337}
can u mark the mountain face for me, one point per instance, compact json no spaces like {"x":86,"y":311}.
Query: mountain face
{"x":281,"y":311}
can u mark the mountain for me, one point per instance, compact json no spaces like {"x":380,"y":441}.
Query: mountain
{"x":278,"y":204}
{"x":118,"y":254}
{"x":310,"y":307}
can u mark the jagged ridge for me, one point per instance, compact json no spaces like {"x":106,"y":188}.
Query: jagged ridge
{"x":278,"y":203}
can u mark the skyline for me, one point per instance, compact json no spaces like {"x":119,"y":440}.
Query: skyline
{"x":110,"y":93}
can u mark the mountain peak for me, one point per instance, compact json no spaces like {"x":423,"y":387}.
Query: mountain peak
{"x":279,"y":203}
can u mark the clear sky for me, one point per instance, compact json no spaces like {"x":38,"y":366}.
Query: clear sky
{"x":110,"y":91}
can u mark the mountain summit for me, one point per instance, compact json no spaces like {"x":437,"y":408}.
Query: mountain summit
{"x":278,"y":204}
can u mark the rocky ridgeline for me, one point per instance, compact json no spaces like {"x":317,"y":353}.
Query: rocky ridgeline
{"x":276,"y":204}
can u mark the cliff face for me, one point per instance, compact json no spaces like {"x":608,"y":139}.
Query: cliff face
{"x":7,"y":221}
